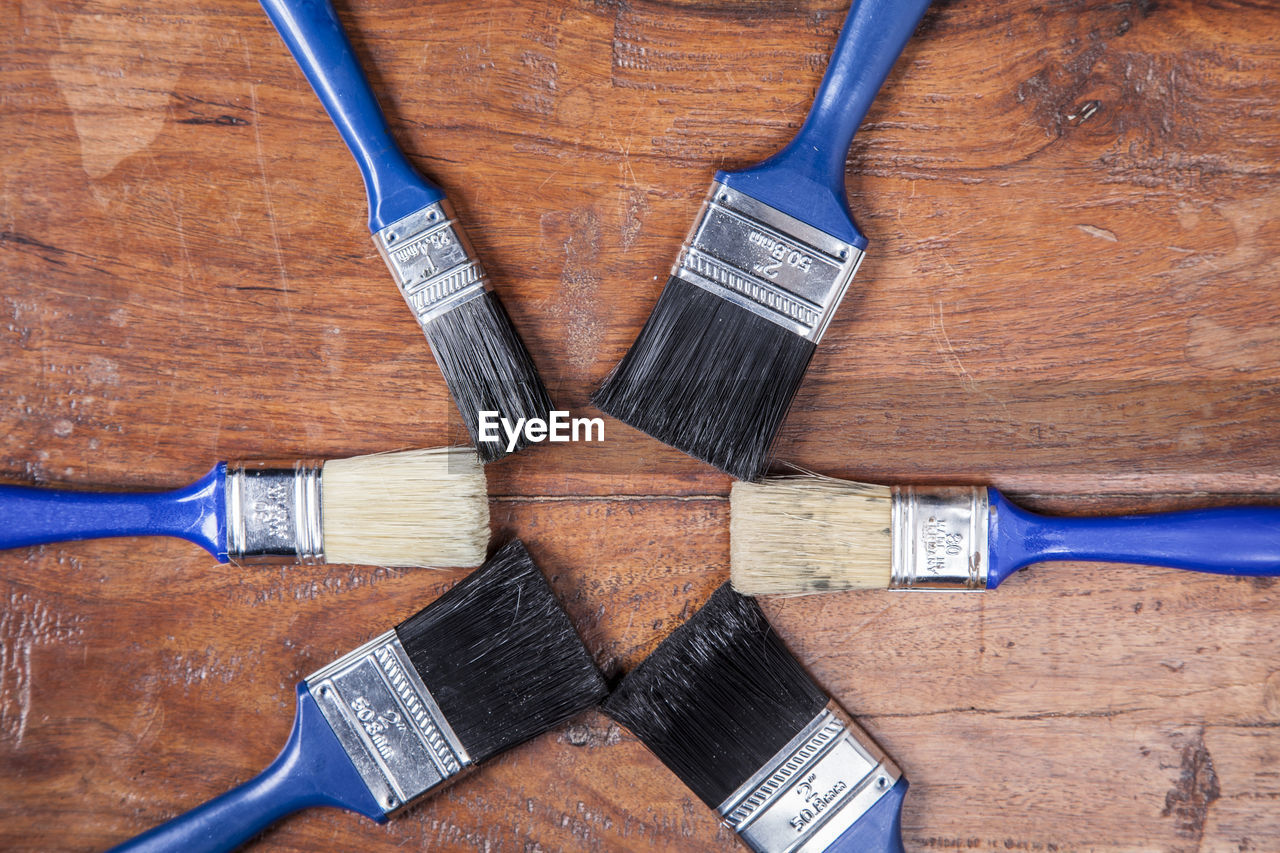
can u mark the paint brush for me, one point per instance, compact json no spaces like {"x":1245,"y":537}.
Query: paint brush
{"x":484,"y":362}
{"x":411,"y":508}
{"x":724,"y":705}
{"x":805,"y":534}
{"x":716,"y":366}
{"x":490,"y":664}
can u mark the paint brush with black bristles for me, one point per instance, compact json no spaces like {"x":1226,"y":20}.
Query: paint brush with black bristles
{"x":716,"y":366}
{"x":490,"y":664}
{"x":484,"y":362}
{"x":724,"y":705}
{"x":807,"y":534}
{"x":409,"y":508}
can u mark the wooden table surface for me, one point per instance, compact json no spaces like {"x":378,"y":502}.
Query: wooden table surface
{"x":1074,"y":210}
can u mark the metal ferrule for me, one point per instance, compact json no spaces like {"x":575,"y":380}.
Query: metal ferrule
{"x":767,"y":262}
{"x":274,"y":514}
{"x":386,"y":720}
{"x":813,"y":789}
{"x":940,"y":538}
{"x":432,"y":261}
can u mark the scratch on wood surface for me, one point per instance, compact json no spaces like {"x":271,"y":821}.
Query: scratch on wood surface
{"x":625,"y":170}
{"x":25,"y":623}
{"x":1100,"y":233}
{"x":153,"y":712}
{"x":180,"y":229}
{"x":266,"y":192}
{"x":943,"y":340}
{"x":635,"y":209}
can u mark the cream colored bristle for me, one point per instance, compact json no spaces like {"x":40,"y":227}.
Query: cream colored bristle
{"x":411,"y":508}
{"x":805,"y":534}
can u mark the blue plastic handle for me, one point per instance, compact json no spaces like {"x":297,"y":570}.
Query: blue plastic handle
{"x":1226,"y":541}
{"x":312,"y":770}
{"x":314,"y":35}
{"x":806,"y":179}
{"x":197,"y":513}
{"x":877,"y":831}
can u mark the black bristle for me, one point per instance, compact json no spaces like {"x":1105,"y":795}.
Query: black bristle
{"x":718,"y":698}
{"x":709,"y":378}
{"x":487,"y":368}
{"x":500,"y":656}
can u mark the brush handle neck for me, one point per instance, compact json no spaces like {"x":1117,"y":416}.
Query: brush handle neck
{"x":1228,"y":541}
{"x":197,"y":513}
{"x":806,"y":179}
{"x":312,"y":770}
{"x":874,"y":34}
{"x":879,"y":830}
{"x":314,"y":35}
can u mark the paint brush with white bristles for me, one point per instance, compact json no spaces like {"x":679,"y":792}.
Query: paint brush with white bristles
{"x":805,"y":534}
{"x":410,"y":508}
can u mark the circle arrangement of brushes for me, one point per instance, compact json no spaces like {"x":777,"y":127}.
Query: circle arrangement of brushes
{"x":495,"y":660}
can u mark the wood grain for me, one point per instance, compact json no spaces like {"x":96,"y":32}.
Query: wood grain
{"x":1070,"y":294}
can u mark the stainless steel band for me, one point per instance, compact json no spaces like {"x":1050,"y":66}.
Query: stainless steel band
{"x":767,"y":262}
{"x":388,"y":723}
{"x":940,"y":538}
{"x":431,"y":261}
{"x":814,"y":789}
{"x":274,"y":514}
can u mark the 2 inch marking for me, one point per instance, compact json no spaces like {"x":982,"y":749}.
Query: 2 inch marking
{"x":781,"y":253}
{"x":375,"y":724}
{"x":816,"y":801}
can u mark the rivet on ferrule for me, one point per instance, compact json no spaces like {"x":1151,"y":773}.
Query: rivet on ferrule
{"x":387,"y":721}
{"x":940,"y":538}
{"x":815,"y":788}
{"x":432,"y":261}
{"x":769,"y":263}
{"x":275,"y":514}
